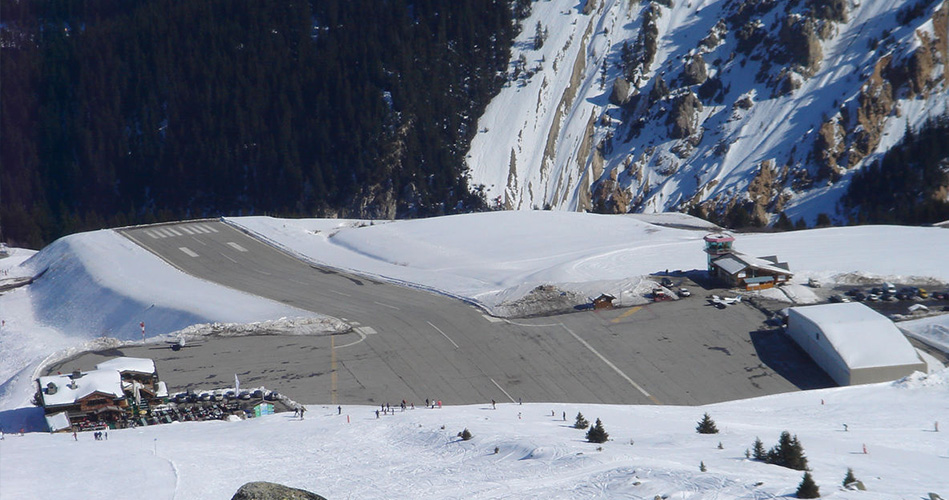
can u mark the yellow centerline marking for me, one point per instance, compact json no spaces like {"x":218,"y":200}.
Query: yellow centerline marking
{"x":626,"y":314}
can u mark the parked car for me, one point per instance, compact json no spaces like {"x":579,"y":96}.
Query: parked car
{"x":876,"y":291}
{"x":922,"y":293}
{"x":890,"y":288}
{"x":684,"y":292}
{"x":666,"y":282}
{"x":813,"y":283}
{"x":860,"y":296}
{"x":852,"y":292}
{"x":839,"y":298}
{"x":873,"y":297}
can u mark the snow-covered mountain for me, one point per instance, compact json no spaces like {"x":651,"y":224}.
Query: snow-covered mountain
{"x":622,"y":105}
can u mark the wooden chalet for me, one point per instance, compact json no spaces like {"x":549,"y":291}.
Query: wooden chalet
{"x":108,"y":395}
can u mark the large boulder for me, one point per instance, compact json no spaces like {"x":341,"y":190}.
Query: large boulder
{"x":620,"y":94}
{"x":262,"y":490}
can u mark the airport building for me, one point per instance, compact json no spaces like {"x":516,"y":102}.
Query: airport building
{"x":853,"y":343}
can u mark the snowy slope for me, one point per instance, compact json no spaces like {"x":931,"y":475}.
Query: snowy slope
{"x":553,"y":138}
{"x":516,"y":451}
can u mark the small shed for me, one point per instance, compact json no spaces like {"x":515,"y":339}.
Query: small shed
{"x":604,"y":301}
{"x":853,"y":343}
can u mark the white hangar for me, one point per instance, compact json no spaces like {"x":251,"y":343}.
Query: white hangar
{"x":853,"y":343}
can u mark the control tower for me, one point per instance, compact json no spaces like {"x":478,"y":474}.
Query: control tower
{"x":716,"y":245}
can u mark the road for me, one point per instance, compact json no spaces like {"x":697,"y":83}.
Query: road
{"x":412,"y":344}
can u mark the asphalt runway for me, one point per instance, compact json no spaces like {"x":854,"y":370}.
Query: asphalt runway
{"x":412,"y":344}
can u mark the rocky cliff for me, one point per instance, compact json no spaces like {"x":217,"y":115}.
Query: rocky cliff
{"x":710,"y":104}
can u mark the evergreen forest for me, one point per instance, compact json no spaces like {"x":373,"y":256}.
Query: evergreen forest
{"x":134,"y":111}
{"x":909,"y":184}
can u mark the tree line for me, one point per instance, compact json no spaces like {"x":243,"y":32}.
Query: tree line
{"x":123,"y":112}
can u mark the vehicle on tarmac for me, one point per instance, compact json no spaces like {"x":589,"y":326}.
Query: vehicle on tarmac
{"x":684,"y":292}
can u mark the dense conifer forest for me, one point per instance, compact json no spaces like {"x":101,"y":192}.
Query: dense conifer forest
{"x":123,"y":112}
{"x":909,"y":184}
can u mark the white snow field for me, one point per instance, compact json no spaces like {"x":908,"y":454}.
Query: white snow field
{"x":98,"y":286}
{"x":652,"y":451}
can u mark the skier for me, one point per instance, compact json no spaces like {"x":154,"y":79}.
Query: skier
{"x":339,"y":410}
{"x":493,"y":405}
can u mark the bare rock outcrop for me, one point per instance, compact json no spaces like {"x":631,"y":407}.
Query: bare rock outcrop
{"x":262,"y":490}
{"x":695,"y":72}
{"x":684,"y":116}
{"x":620,"y":93}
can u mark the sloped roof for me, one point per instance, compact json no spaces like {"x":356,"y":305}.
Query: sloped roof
{"x":734,"y":262}
{"x":69,"y":391}
{"x":861,"y":336}
{"x":138,"y":365}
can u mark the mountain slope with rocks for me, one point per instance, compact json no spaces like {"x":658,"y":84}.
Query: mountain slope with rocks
{"x":708,"y":106}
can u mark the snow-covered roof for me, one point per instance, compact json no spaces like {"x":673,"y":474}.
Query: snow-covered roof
{"x":861,"y":336}
{"x":138,"y":365}
{"x":68,"y":390}
{"x":737,"y":261}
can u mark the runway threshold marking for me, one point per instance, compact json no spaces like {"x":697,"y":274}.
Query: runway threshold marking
{"x":188,"y":251}
{"x":444,"y":335}
{"x":184,"y":229}
{"x":627,"y":314}
{"x":152,"y":234}
{"x":228,"y":258}
{"x":611,"y":365}
{"x":502,"y":389}
{"x":235,"y":246}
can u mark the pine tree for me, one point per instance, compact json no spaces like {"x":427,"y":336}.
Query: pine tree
{"x":849,"y":478}
{"x":597,"y":434}
{"x":580,"y":423}
{"x":784,"y":222}
{"x":788,"y":453}
{"x":465,"y":435}
{"x":808,"y":488}
{"x":758,"y":450}
{"x":706,"y":426}
{"x":540,"y":36}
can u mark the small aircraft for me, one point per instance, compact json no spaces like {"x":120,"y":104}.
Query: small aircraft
{"x":722,"y":302}
{"x":177,"y":345}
